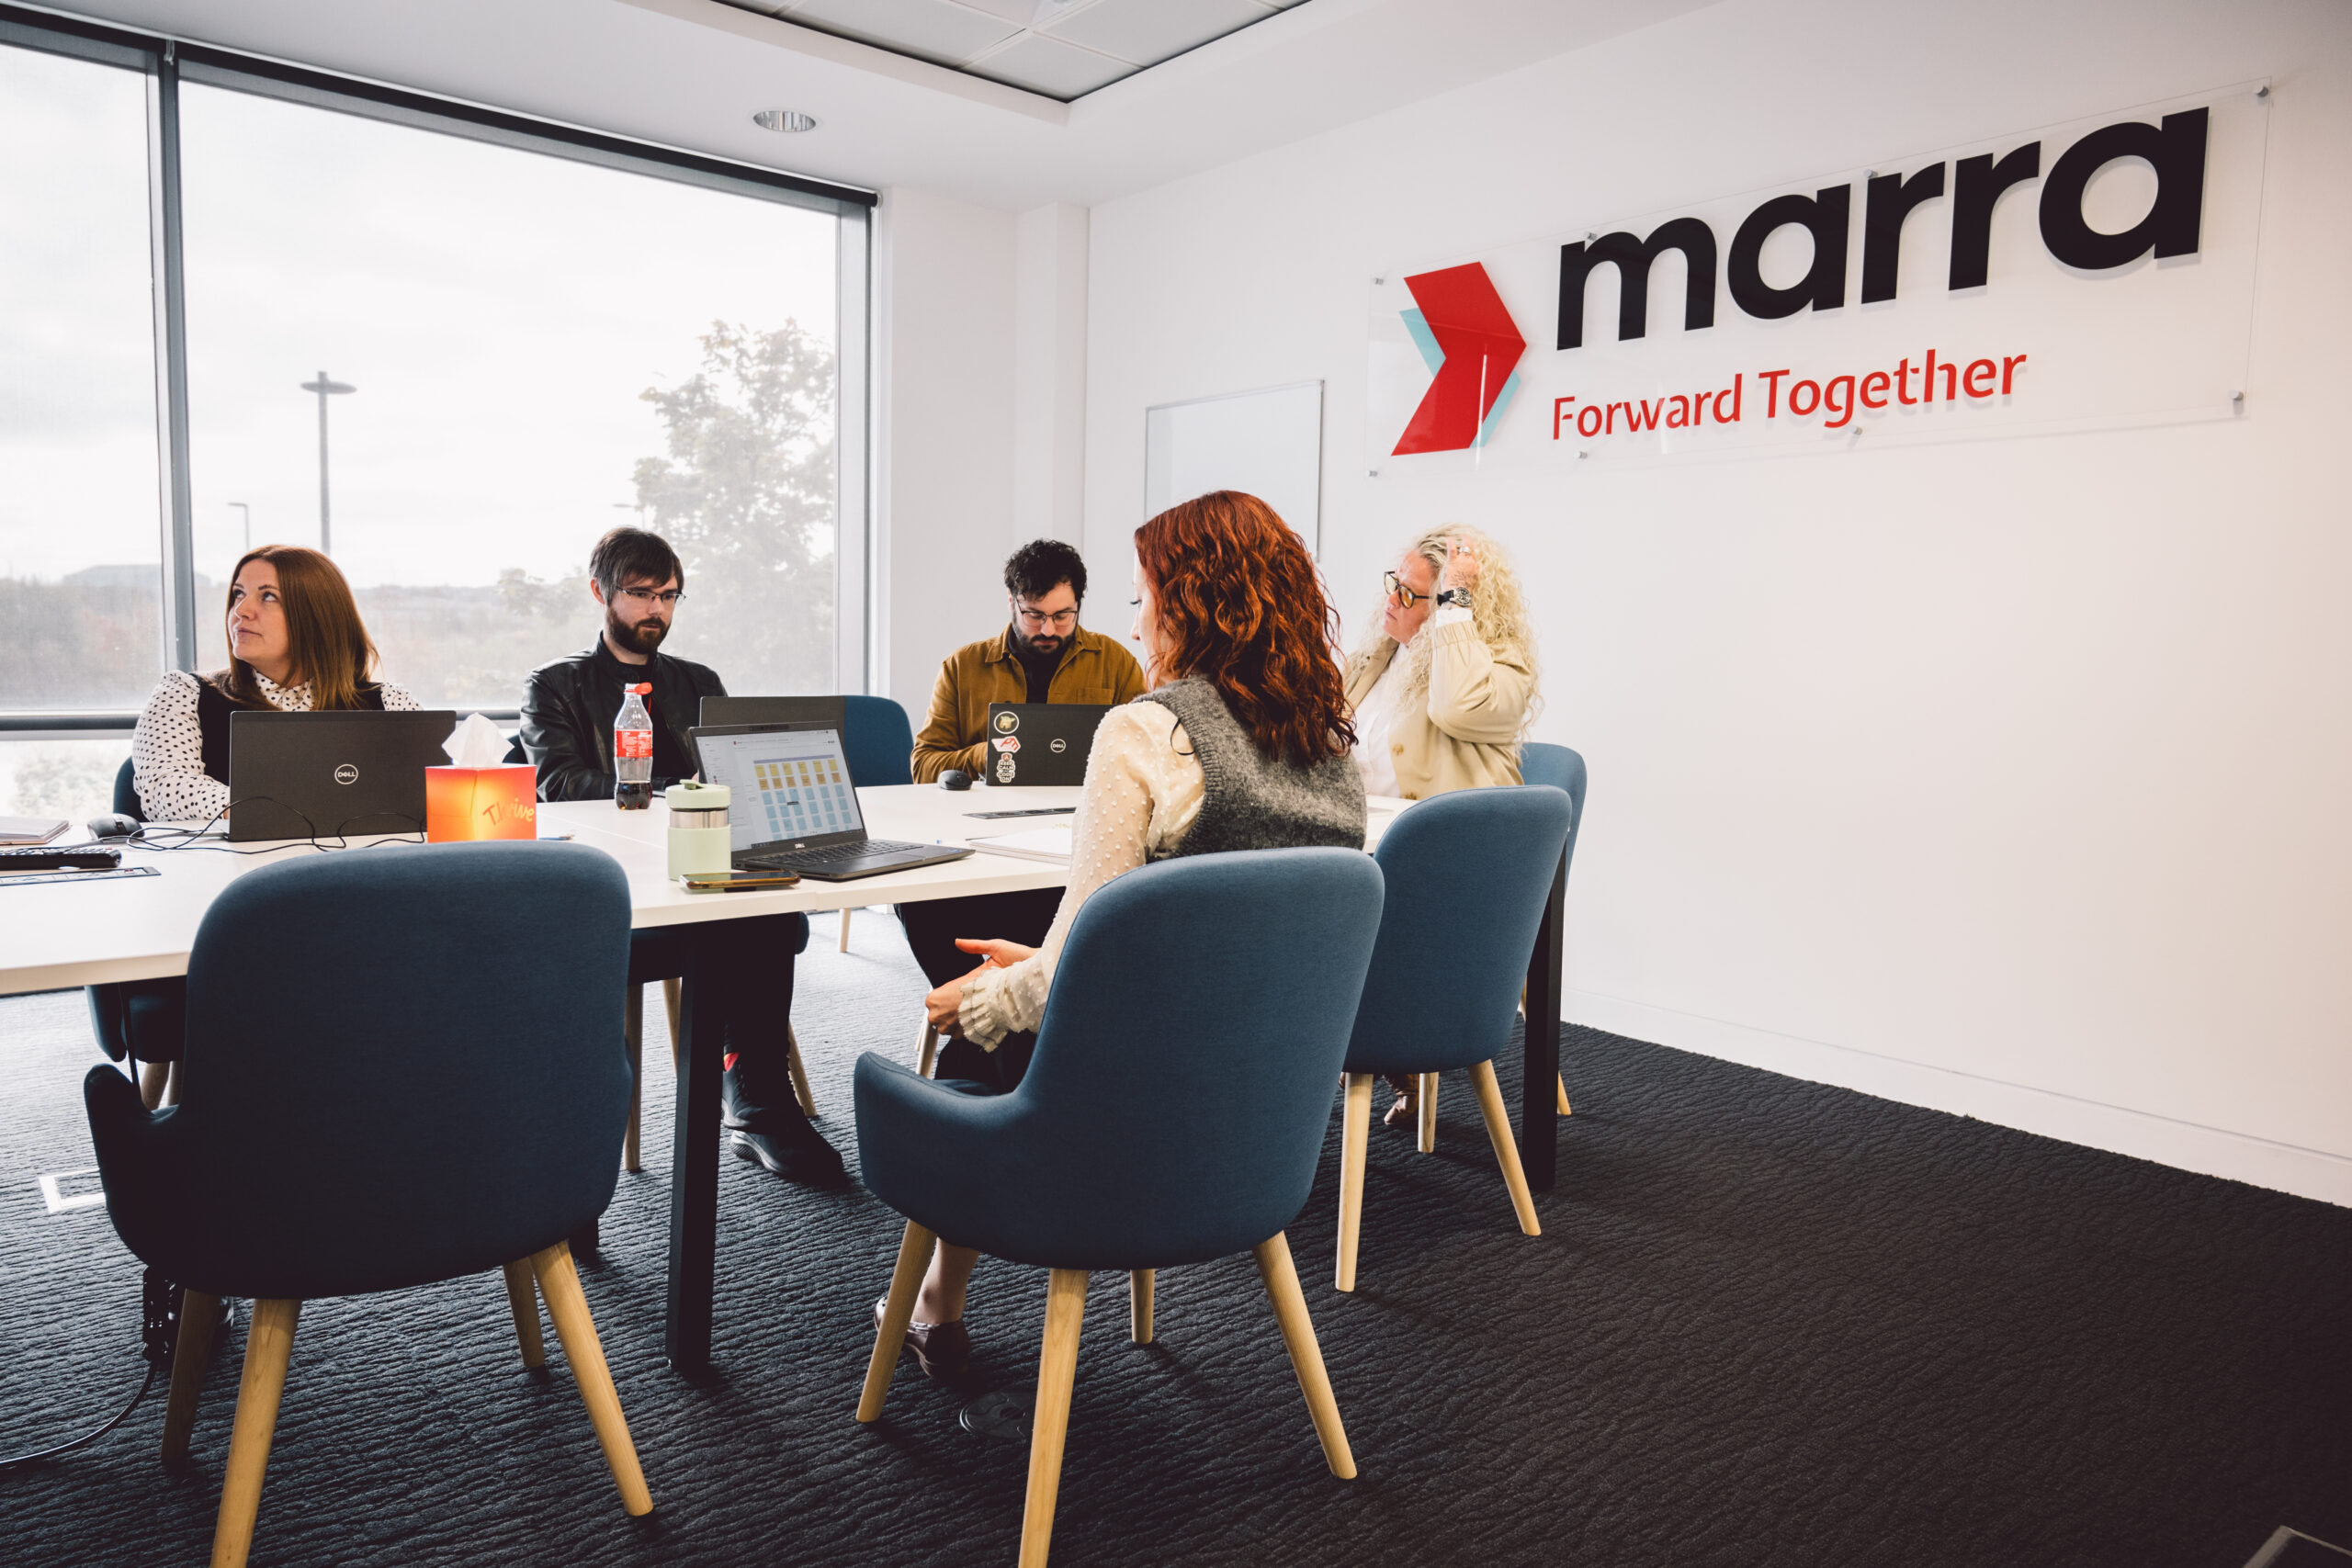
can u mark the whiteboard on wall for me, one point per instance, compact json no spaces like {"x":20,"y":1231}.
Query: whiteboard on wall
{"x":1268,"y":443}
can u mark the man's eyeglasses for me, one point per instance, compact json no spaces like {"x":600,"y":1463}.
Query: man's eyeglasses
{"x":646,"y":597}
{"x":1037,"y":620}
{"x":1405,"y":597}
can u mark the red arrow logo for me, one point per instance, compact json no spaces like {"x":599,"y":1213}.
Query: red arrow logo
{"x":1481,"y":345}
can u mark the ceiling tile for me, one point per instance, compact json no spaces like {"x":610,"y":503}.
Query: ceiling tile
{"x":1046,"y":65}
{"x":1148,"y":32}
{"x":1020,"y":13}
{"x":929,"y":29}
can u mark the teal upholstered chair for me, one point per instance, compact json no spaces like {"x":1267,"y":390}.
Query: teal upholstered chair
{"x":1467,"y":875}
{"x":1259,"y":956}
{"x":414,"y":998}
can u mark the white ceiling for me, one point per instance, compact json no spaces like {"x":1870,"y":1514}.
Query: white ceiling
{"x":690,"y":74}
{"x":1061,"y":48}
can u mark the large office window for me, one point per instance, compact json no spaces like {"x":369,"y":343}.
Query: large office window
{"x":537,"y":350}
{"x":81,"y":547}
{"x":243,"y":305}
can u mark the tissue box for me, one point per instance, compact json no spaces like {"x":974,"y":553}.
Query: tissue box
{"x":500,"y":801}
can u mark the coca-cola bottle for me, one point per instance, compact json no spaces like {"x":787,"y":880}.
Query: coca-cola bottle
{"x":633,"y":752}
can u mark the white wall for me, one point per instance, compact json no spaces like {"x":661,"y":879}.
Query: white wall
{"x":1049,"y":382}
{"x":945,"y":335}
{"x":2008,"y":777}
{"x":980,"y":416}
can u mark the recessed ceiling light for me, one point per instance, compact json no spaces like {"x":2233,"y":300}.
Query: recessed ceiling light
{"x":783,"y":119}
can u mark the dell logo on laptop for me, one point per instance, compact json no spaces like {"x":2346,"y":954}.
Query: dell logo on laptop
{"x":346,"y":775}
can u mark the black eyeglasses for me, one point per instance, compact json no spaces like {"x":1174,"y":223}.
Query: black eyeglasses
{"x":1405,"y":597}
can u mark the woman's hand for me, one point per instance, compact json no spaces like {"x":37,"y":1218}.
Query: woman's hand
{"x":1460,"y":567}
{"x":944,"y":1006}
{"x":999,"y":955}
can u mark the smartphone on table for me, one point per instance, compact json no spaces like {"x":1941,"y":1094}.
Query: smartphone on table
{"x":737,"y":881}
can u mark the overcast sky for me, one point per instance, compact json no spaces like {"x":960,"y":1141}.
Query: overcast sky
{"x":498,"y":312}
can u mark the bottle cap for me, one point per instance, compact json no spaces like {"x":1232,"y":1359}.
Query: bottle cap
{"x":643,"y":691}
{"x":692,"y":796}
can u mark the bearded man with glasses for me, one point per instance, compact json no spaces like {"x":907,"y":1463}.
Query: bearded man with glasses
{"x":1042,"y":655}
{"x":568,"y":712}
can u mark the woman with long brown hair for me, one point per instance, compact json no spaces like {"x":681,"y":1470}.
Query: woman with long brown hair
{"x":296,"y":643}
{"x":1240,"y":743}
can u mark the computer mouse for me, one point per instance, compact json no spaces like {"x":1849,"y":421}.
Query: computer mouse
{"x":954,"y":778}
{"x":114,"y":825}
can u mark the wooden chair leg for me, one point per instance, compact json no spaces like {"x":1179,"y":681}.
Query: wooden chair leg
{"x":200,"y":1316}
{"x":1355,"y":1133}
{"x":633,"y":1036}
{"x":1139,"y":1288}
{"x":844,"y":931}
{"x":897,"y":1311}
{"x":269,"y":1342}
{"x":523,"y":1301}
{"x":1490,"y":1105}
{"x":576,"y":1331}
{"x":1281,"y":1275}
{"x":800,"y":1090}
{"x":1049,"y":1427}
{"x":669,"y":1006}
{"x":152,"y":1077}
{"x":1563,"y":1094}
{"x":927,"y":1053}
{"x":1427,"y":1094}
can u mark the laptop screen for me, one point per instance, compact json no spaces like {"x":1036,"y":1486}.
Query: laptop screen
{"x":787,"y":785}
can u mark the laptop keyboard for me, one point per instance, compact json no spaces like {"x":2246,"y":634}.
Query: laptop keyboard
{"x":831,"y":854}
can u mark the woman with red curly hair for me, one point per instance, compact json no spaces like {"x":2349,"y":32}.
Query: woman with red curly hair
{"x":1241,"y":742}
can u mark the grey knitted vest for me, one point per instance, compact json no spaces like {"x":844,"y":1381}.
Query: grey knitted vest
{"x":1252,"y":801}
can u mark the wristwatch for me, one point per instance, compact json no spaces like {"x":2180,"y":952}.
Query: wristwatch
{"x":1456,"y":596}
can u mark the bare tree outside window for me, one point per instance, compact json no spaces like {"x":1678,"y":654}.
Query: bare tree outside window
{"x":745,"y":492}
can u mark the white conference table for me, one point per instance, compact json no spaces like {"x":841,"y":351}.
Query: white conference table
{"x":57,"y":935}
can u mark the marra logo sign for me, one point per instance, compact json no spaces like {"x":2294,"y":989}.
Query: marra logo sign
{"x":2174,"y":149}
{"x":2079,"y":276}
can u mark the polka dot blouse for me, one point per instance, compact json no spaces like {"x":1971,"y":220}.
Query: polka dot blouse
{"x":1143,"y":794}
{"x":167,"y":749}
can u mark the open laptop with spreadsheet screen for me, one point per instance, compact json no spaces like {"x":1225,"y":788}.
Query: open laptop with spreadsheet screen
{"x":792,"y":808}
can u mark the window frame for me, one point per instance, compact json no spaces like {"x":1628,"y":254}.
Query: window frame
{"x":167,"y":61}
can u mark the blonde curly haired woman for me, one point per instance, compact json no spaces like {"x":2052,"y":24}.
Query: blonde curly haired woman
{"x":1443,"y":688}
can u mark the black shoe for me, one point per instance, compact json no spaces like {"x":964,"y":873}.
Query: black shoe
{"x":806,"y":1158}
{"x":748,"y":1100}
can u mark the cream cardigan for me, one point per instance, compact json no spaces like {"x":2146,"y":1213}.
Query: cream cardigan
{"x":1465,"y":734}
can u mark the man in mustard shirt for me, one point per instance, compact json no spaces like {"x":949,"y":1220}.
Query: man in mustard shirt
{"x":1042,"y":655}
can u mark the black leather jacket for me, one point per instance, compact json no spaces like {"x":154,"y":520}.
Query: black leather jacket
{"x":568,"y":706}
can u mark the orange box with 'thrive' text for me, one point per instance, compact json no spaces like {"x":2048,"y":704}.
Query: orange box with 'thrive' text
{"x":500,"y":801}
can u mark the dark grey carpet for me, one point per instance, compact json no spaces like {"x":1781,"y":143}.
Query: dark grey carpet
{"x":1767,"y":1323}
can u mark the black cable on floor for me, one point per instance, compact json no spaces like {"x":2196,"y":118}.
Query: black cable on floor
{"x":161,"y":1303}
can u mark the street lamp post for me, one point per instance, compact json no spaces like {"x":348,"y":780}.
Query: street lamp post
{"x":324,"y":388}
{"x":248,"y":511}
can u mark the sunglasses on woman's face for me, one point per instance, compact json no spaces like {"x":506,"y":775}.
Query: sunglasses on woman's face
{"x":1405,"y":598}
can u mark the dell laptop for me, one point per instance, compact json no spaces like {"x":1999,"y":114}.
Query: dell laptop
{"x":794,"y":808}
{"x":1041,"y":743}
{"x":325,"y":775}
